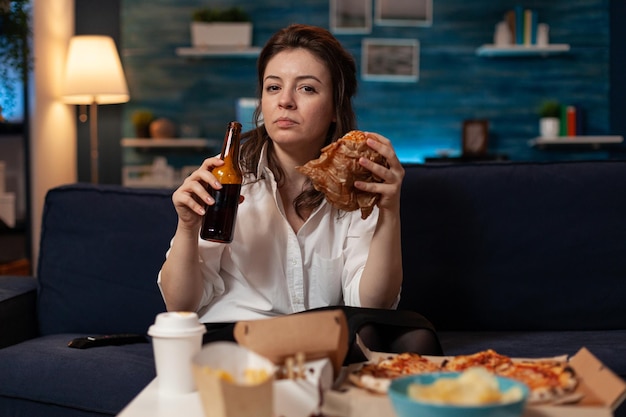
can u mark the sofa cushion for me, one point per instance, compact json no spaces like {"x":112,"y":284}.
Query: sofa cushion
{"x":100,"y":253}
{"x":101,"y":380}
{"x":18,"y":318}
{"x":516,"y":246}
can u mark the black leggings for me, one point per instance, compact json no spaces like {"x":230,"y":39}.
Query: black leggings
{"x":381,"y":330}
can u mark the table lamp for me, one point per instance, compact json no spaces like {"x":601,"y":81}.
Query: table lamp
{"x":93,"y":75}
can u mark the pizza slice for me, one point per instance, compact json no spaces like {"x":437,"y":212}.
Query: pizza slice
{"x":376,"y":377}
{"x":489,"y":359}
{"x":548,"y":381}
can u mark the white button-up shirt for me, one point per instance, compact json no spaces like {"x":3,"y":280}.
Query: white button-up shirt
{"x":270,"y":270}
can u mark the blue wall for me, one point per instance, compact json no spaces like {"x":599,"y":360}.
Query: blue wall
{"x":420,"y":118}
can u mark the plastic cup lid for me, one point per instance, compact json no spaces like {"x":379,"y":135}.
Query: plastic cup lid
{"x":176,"y":324}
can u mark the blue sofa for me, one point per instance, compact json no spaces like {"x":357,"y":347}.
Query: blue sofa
{"x":524,"y":258}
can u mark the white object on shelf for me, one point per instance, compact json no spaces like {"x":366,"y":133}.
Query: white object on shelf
{"x":221,"y":34}
{"x":154,"y":176}
{"x":159,"y":174}
{"x":7,"y":209}
{"x":491,"y":50}
{"x":171,"y":143}
{"x":543,"y":34}
{"x":593,"y":141}
{"x":502,"y":34}
{"x":549,"y":127}
{"x":218,"y":52}
{"x":144,"y":176}
{"x":161,"y":171}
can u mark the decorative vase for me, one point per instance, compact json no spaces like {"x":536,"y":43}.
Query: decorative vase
{"x":162,"y":128}
{"x":549,"y":127}
{"x":219,"y":34}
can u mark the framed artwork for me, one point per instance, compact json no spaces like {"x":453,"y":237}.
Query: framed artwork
{"x":475,"y":137}
{"x":395,"y":60}
{"x":404,"y":13}
{"x":351,"y":16}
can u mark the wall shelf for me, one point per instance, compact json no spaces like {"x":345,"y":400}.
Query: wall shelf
{"x":594,"y":142}
{"x":145,"y":164}
{"x":191,"y":52}
{"x":170,"y":143}
{"x":493,"y":51}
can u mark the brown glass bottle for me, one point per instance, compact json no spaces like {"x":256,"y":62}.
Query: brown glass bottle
{"x":218,"y":224}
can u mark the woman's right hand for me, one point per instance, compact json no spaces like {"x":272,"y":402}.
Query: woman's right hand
{"x":191,"y":198}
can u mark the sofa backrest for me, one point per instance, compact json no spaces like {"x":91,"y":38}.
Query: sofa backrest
{"x":100,"y":252}
{"x":516,"y":246}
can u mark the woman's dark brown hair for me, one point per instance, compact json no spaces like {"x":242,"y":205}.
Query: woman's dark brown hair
{"x":321,"y":43}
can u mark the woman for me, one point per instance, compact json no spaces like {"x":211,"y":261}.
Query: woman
{"x":292,"y":251}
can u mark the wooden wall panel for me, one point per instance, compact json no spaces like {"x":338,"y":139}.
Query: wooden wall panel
{"x":421,"y":118}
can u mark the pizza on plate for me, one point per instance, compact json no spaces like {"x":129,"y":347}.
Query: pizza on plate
{"x":549,"y":381}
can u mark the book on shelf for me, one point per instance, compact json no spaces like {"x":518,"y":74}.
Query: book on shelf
{"x":509,"y":18}
{"x":519,"y":24}
{"x":531,"y":25}
{"x":522,"y":24}
{"x":571,"y":120}
{"x":562,"y":121}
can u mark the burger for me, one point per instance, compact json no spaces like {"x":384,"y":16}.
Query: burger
{"x":337,"y":168}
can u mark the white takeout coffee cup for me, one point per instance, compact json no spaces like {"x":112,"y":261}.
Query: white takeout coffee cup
{"x":176,"y":338}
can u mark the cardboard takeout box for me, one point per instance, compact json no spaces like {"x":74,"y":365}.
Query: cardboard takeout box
{"x":317,"y":334}
{"x":233,"y":382}
{"x":319,"y":340}
{"x":602,"y":390}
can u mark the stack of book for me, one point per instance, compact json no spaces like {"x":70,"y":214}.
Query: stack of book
{"x":522,"y":23}
{"x":571,"y":120}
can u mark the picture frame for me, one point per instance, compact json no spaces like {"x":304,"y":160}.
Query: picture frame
{"x":475,"y":137}
{"x":388,"y":59}
{"x":404,"y":13}
{"x":350,"y":16}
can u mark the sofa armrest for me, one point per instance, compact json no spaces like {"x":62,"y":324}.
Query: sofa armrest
{"x":18,"y":309}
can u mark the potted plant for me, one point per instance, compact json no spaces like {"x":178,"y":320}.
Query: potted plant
{"x":15,"y":49}
{"x":141,"y":120}
{"x":549,"y":119}
{"x":214,"y":27}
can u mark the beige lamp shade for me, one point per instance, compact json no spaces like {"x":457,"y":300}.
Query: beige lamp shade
{"x":93,"y":72}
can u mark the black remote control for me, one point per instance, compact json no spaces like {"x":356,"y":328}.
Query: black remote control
{"x":107,"y":340}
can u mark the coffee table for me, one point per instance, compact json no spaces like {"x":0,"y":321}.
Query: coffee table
{"x":150,"y":402}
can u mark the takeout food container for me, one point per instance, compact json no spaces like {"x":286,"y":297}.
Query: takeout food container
{"x":316,"y":334}
{"x":300,"y":397}
{"x":602,"y":390}
{"x":319,"y":338}
{"x":319,"y":341}
{"x":233,"y":381}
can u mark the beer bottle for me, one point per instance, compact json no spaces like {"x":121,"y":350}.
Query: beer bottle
{"x":218,"y":224}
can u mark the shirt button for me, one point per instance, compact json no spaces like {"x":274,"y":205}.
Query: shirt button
{"x":294,"y":261}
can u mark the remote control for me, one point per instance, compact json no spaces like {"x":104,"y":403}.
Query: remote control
{"x":107,"y":340}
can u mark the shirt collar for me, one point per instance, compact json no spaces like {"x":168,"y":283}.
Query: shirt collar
{"x":263,"y":169}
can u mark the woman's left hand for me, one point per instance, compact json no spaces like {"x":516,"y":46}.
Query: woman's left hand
{"x":392,"y":177}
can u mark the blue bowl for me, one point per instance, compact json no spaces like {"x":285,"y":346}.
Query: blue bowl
{"x":408,"y":407}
